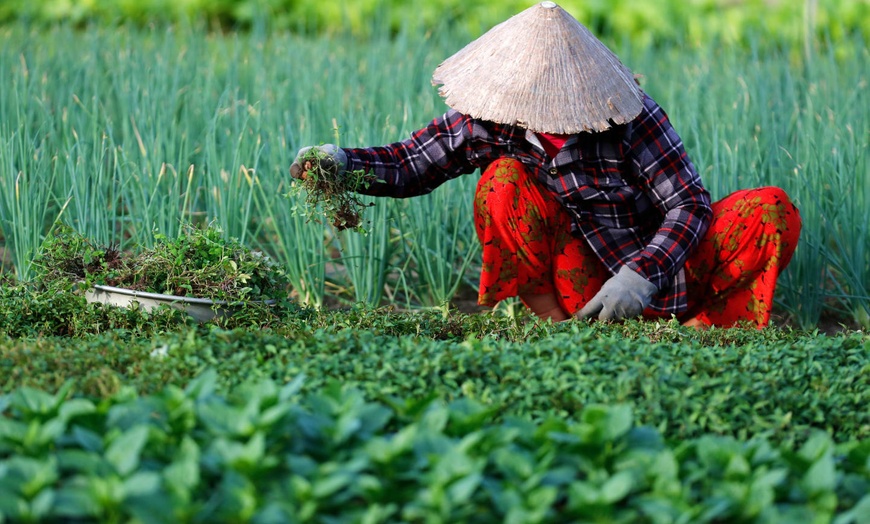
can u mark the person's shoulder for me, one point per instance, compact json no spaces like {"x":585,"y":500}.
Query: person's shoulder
{"x":485,"y":129}
{"x":453,"y":119}
{"x":456,"y":116}
{"x":649,"y":107}
{"x":650,"y":112}
{"x":652,"y":119}
{"x":449,"y":122}
{"x":453,"y":114}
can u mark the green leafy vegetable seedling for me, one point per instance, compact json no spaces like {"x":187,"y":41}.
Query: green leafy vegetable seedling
{"x":199,"y":262}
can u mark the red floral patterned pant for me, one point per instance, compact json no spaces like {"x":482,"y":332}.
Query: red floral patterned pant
{"x":528,"y":249}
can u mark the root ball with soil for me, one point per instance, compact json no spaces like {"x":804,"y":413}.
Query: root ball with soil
{"x":333,"y":191}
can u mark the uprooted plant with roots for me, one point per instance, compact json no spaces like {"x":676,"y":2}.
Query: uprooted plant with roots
{"x":333,"y":191}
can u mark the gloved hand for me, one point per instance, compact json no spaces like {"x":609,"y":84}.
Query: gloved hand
{"x":624,"y":295}
{"x":332,"y":159}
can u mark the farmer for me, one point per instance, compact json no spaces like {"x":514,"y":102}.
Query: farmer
{"x":587,"y":205}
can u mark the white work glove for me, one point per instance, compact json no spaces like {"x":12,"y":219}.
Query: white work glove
{"x":624,"y":295}
{"x":332,"y":160}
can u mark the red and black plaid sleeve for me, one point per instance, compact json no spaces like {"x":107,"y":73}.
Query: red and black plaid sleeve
{"x":661,"y":164}
{"x":431,"y":156}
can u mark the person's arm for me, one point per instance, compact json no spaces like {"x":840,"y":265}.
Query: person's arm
{"x":439,"y":152}
{"x":661,"y":165}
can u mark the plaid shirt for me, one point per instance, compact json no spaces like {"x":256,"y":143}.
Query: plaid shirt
{"x":632,"y":191}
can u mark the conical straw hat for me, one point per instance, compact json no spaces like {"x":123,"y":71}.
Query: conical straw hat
{"x":541,"y":69}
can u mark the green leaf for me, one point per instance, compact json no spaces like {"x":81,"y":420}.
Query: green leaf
{"x":617,"y":487}
{"x":377,"y":513}
{"x":645,"y":437}
{"x":76,"y":502}
{"x":226,"y":420}
{"x":86,"y":439}
{"x":860,"y":514}
{"x":818,"y":445}
{"x":30,"y":475}
{"x":142,"y":484}
{"x":82,"y":461}
{"x":738,"y":467}
{"x":183,"y":474}
{"x":328,"y":485}
{"x":123,"y":453}
{"x":515,"y":465}
{"x":13,"y":506}
{"x":203,"y":386}
{"x":373,"y":417}
{"x":48,"y":432}
{"x":761,"y":493}
{"x":292,"y":388}
{"x":716,"y":453}
{"x":245,"y":457}
{"x":582,"y":494}
{"x":435,"y":418}
{"x":42,"y":504}
{"x":33,"y":402}
{"x":237,"y":497}
{"x":345,"y":427}
{"x":12,"y":431}
{"x":461,"y":491}
{"x":608,"y":422}
{"x":467,"y":415}
{"x":384,"y":450}
{"x":75,"y":407}
{"x":821,"y":477}
{"x":130,"y":411}
{"x":540,"y":499}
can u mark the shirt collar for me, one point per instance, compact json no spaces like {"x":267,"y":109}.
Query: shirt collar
{"x":532,"y":138}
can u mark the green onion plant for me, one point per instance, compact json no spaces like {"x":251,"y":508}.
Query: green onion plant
{"x":441,"y":239}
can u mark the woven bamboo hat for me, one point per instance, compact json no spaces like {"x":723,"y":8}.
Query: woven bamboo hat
{"x":543,"y":70}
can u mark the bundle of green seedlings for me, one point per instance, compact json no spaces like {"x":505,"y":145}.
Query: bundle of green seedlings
{"x":200,"y":262}
{"x":333,"y":191}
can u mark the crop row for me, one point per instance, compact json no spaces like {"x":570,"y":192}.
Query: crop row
{"x":744,"y":383}
{"x":268,"y":453}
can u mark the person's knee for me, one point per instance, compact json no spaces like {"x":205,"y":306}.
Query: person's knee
{"x":785,"y":218}
{"x":777,"y":198}
{"x":773,"y":195}
{"x":793,"y":217}
{"x":499,"y":188}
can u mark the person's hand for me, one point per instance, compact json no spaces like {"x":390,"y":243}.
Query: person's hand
{"x":624,"y":295}
{"x":331,"y":158}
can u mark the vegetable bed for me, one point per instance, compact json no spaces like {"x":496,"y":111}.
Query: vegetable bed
{"x":265,"y":453}
{"x":371,"y":415}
